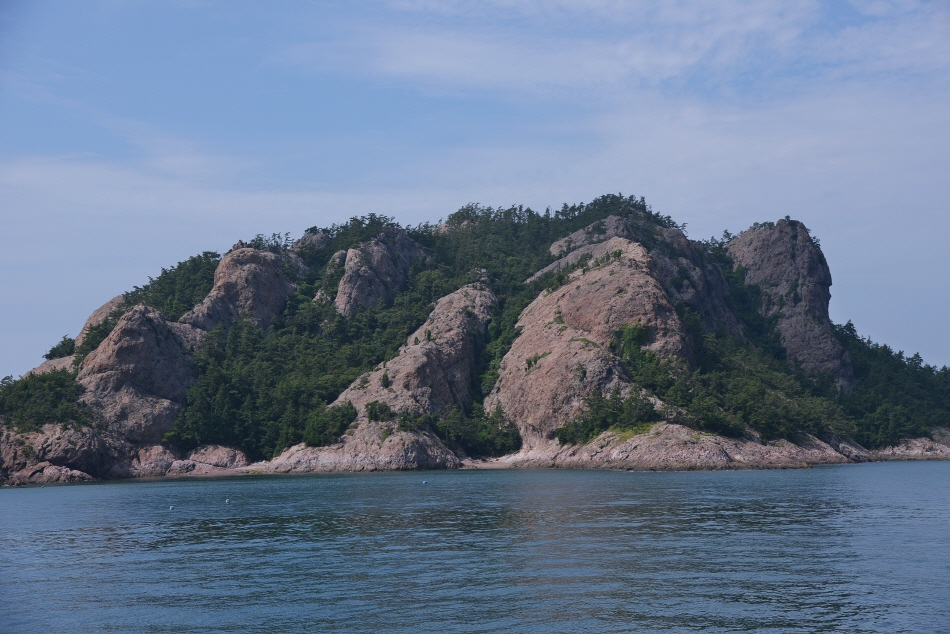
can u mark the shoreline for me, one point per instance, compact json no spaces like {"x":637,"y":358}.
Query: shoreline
{"x":468,"y":464}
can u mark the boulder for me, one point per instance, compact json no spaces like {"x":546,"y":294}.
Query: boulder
{"x":247,"y":283}
{"x":786,"y":264}
{"x":563,"y":356}
{"x":375,"y":270}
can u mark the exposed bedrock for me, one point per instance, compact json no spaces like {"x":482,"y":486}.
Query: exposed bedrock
{"x":687,"y":277}
{"x":433,"y":370}
{"x":100,"y":315}
{"x":312,"y":241}
{"x":375,"y":270}
{"x":52,"y":365}
{"x":431,"y":374}
{"x":137,"y":378}
{"x":784,"y":262}
{"x":563,"y":356}
{"x":97,"y":317}
{"x":247,"y":283}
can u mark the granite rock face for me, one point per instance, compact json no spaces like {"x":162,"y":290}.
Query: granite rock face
{"x":678,"y":265}
{"x":157,"y":461}
{"x":137,"y":377}
{"x":784,"y":262}
{"x":431,"y":373}
{"x":311,"y":241}
{"x":247,"y":283}
{"x":563,"y":356}
{"x":372,"y":446}
{"x":99,"y":315}
{"x":375,"y":270}
{"x":433,"y":370}
{"x":53,"y":365}
{"x":75,"y":449}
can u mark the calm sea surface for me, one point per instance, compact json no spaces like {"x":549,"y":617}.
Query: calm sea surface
{"x":857,"y":548}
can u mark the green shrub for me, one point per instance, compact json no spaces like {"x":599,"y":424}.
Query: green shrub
{"x":180,"y":288}
{"x":65,"y":347}
{"x":326,"y":425}
{"x":614,"y":413}
{"x":28,"y":403}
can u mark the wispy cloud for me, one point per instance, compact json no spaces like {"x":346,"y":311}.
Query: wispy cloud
{"x":527,"y":45}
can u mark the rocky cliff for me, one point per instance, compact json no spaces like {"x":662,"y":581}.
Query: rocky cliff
{"x":431,"y":374}
{"x":783,"y":261}
{"x":563,"y":355}
{"x":687,"y":277}
{"x":136,"y":381}
{"x":375,"y":270}
{"x":248,"y":283}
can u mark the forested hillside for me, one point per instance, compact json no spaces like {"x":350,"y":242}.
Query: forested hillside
{"x":263,"y":390}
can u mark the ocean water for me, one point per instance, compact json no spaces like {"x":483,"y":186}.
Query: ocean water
{"x":855,"y":548}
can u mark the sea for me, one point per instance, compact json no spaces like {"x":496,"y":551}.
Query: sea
{"x":850,"y":548}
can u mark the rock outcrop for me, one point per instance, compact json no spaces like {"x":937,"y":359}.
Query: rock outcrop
{"x":687,"y":277}
{"x":672,"y":447}
{"x":100,"y":315}
{"x":375,"y":270}
{"x":157,"y":461}
{"x":52,"y":365}
{"x":311,"y":241}
{"x":247,"y":283}
{"x":432,"y":373}
{"x":137,"y":377}
{"x":784,"y":262}
{"x":563,"y":356}
{"x":372,"y":446}
{"x":83,"y":450}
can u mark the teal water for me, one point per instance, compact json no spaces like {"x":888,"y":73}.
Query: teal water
{"x":856,"y":548}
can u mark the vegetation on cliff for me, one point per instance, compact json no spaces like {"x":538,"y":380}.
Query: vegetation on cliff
{"x":32,"y":401}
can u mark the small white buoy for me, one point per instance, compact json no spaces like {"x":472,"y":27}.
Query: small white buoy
{"x":227,"y":501}
{"x":171,"y":508}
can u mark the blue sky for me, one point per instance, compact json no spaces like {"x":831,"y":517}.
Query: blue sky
{"x":134,"y":134}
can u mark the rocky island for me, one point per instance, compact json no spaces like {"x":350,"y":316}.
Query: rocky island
{"x":594,"y":336}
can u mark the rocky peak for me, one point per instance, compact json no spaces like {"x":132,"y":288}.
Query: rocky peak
{"x":137,"y":377}
{"x":600,"y":231}
{"x":785,"y":263}
{"x":678,"y":264}
{"x":247,"y":283}
{"x":99,"y":315}
{"x":375,"y":270}
{"x":311,"y":241}
{"x":563,"y":355}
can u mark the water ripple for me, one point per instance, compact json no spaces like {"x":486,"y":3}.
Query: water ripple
{"x":858,"y":548}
